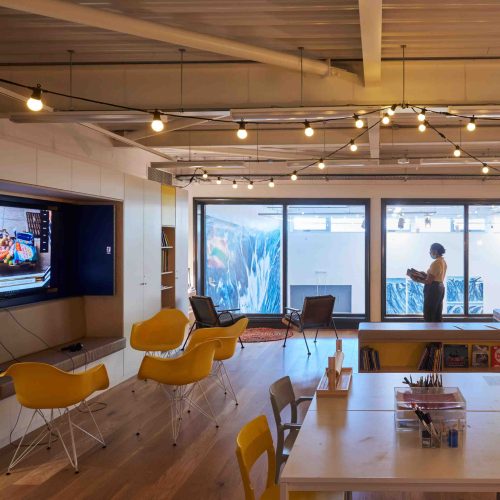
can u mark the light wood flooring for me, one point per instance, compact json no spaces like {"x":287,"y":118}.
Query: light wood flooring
{"x":203,"y":465}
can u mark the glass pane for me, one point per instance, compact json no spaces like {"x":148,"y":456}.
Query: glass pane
{"x":410,"y":231}
{"x":243,"y":257}
{"x":484,"y":264}
{"x":326,"y":255}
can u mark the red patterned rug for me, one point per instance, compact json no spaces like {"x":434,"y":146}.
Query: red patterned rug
{"x":264,"y":334}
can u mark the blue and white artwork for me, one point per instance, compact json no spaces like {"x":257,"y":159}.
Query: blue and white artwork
{"x":243,"y":264}
{"x":404,"y":296}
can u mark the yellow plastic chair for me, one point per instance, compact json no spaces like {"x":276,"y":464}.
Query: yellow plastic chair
{"x":228,"y":336}
{"x":184,"y":373}
{"x":255,"y":439}
{"x":40,"y":386}
{"x":162,"y":334}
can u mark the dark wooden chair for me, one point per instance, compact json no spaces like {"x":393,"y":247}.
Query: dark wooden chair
{"x":316,"y":314}
{"x":207,"y":315}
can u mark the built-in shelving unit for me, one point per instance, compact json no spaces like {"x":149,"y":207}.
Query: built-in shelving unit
{"x":168,"y":247}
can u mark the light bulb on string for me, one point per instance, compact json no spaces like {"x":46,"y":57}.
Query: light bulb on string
{"x":352,"y":146}
{"x":271,"y":183}
{"x":235,"y":185}
{"x":35,"y":101}
{"x":392,"y":110}
{"x":218,"y":181}
{"x":321,"y":164}
{"x":471,"y":126}
{"x":457,"y":152}
{"x":485,"y":169}
{"x":242,"y":131}
{"x":422,"y":127}
{"x":294,"y":176}
{"x":205,"y":174}
{"x":157,"y":123}
{"x":386,"y":119}
{"x":250,"y":185}
{"x":358,"y":122}
{"x":308,"y":130}
{"x":421,"y":115}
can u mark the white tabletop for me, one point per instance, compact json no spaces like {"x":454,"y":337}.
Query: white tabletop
{"x":375,"y":391}
{"x":361,"y":451}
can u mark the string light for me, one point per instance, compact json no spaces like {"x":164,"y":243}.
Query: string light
{"x":321,"y":164}
{"x":271,"y":183}
{"x":242,"y":131}
{"x":358,"y":122}
{"x":352,"y":146}
{"x":392,"y":110}
{"x":157,"y":123}
{"x":218,"y":181}
{"x":457,"y":152}
{"x":386,"y":119}
{"x":205,"y":174}
{"x":421,"y":115}
{"x":235,"y":185}
{"x":485,"y":169}
{"x":294,"y":176}
{"x":422,"y":127}
{"x":308,"y":130}
{"x":250,"y":185}
{"x":35,"y":101}
{"x":471,"y":126}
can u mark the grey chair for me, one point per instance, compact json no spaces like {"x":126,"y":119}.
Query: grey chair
{"x":282,"y":395}
{"x":316,"y":314}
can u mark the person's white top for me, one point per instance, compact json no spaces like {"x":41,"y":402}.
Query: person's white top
{"x":438,"y":269}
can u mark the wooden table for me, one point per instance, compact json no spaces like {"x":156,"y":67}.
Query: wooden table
{"x":348,"y":444}
{"x":361,"y":451}
{"x":375,"y":391}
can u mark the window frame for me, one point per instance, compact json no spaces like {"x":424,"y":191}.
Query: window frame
{"x":199,"y":205}
{"x":466,"y":204}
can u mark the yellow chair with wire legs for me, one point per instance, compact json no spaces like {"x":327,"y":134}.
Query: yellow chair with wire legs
{"x":228,"y":335}
{"x":40,"y":386}
{"x":255,"y":440}
{"x":161,"y":335}
{"x":184,"y":374}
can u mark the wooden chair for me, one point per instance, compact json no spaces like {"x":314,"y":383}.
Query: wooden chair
{"x":316,"y":314}
{"x":283,"y":396}
{"x":208,"y":316}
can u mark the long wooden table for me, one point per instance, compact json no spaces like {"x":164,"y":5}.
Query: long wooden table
{"x":350,"y":444}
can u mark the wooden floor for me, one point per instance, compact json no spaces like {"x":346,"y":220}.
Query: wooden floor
{"x":203,"y":465}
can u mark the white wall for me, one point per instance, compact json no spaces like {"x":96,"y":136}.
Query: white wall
{"x":69,"y":161}
{"x":373,"y":190}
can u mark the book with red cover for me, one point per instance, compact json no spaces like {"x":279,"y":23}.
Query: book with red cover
{"x":495,"y":356}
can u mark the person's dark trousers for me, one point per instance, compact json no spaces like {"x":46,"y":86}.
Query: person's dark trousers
{"x":433,"y":302}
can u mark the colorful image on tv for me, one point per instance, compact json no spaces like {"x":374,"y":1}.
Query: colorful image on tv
{"x":25,"y":257}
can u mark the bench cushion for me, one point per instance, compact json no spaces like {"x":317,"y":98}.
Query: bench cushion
{"x":94,"y":348}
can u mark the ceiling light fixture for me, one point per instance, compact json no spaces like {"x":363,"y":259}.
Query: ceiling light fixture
{"x":271,"y":183}
{"x":386,"y":119}
{"x":218,"y":181}
{"x":35,"y":101}
{"x":352,"y":146}
{"x":242,"y":131}
{"x":321,"y":164}
{"x":294,"y":176}
{"x":457,"y":152}
{"x":235,"y":185}
{"x":308,"y":130}
{"x":250,"y":185}
{"x":421,"y":115}
{"x":485,"y":169}
{"x":392,"y":110}
{"x":471,"y":126}
{"x":422,"y":127}
{"x":358,"y":122}
{"x":205,"y":174}
{"x":157,"y":123}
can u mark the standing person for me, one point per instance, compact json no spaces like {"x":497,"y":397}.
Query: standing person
{"x":433,"y":281}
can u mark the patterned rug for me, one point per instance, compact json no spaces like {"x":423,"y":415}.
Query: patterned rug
{"x":264,"y":334}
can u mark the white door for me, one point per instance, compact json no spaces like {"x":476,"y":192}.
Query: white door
{"x":181,"y":250}
{"x":151,"y":248}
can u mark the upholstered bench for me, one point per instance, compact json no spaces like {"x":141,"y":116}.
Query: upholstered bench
{"x":94,"y":348}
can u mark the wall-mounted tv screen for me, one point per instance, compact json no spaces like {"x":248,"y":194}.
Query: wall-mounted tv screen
{"x":25,"y":250}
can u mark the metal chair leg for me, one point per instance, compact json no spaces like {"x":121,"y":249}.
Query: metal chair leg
{"x":241,"y":342}
{"x":305,"y":340}
{"x":286,"y":335}
{"x":189,"y":334}
{"x":72,"y":435}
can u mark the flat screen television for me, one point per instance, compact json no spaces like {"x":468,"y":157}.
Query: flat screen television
{"x":51,"y":250}
{"x":25,"y":249}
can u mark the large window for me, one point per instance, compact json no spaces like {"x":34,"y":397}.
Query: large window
{"x":470,"y":233}
{"x":261,"y":257}
{"x":326,"y":255}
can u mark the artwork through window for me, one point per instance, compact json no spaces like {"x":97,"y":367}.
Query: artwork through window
{"x":243,"y":245}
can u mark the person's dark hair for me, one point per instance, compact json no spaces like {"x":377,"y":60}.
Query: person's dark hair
{"x":438,"y":248}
